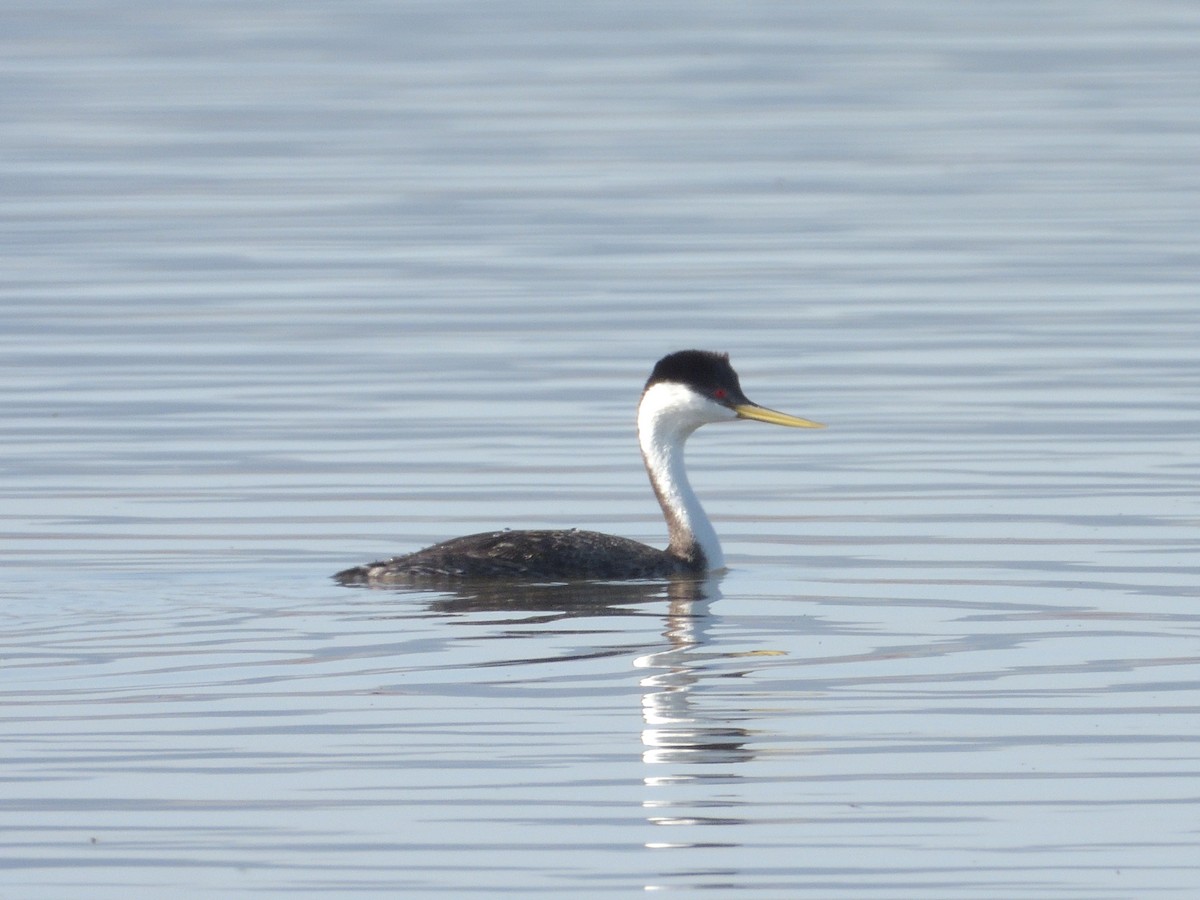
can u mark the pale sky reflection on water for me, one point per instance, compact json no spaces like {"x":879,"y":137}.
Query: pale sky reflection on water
{"x":290,"y":288}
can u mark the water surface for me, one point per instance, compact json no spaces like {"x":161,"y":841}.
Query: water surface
{"x":287,"y":288}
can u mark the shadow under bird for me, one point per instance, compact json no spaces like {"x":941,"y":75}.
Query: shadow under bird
{"x":687,"y":389}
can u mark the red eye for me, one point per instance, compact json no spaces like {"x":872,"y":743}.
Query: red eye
{"x":719,"y":393}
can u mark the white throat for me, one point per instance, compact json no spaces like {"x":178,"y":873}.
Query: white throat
{"x":667,"y":416}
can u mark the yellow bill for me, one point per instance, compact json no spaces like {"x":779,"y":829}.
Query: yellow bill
{"x":762,"y":414}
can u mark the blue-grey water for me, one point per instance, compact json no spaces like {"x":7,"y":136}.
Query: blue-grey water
{"x":290,"y":287}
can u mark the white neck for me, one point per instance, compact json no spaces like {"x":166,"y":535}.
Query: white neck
{"x":667,"y":416}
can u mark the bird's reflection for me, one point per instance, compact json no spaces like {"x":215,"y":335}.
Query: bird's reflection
{"x":683,"y":742}
{"x":675,"y":730}
{"x":678,"y":733}
{"x":563,"y":600}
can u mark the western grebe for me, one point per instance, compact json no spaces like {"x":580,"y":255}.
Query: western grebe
{"x":687,"y":389}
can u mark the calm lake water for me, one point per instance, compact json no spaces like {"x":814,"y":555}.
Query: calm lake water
{"x":290,"y":287}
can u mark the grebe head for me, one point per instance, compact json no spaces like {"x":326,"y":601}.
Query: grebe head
{"x":691,"y":388}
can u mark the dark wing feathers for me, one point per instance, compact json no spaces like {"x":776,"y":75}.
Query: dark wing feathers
{"x":522,"y":554}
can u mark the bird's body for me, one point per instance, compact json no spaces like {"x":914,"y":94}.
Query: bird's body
{"x":686,"y":390}
{"x":521,"y":555}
